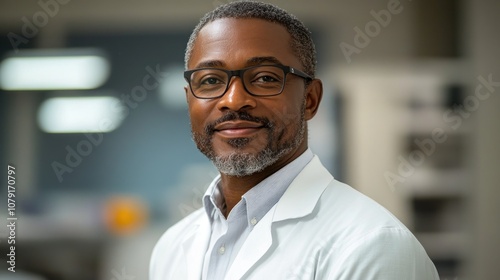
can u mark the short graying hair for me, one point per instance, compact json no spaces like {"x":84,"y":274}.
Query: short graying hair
{"x":302,"y":44}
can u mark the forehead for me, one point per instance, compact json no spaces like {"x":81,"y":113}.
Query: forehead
{"x":233,"y":42}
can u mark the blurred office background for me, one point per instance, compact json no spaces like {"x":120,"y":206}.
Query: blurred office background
{"x":93,"y":118}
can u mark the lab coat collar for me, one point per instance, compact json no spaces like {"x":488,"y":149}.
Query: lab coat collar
{"x":301,"y":197}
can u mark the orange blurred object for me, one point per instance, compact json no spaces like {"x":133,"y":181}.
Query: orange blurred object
{"x":125,"y":214}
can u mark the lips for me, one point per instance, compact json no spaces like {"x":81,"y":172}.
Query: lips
{"x":238,"y":128}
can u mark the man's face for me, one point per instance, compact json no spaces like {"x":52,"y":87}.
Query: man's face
{"x":243,"y":134}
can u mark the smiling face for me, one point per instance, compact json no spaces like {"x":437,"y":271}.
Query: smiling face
{"x":241,"y":133}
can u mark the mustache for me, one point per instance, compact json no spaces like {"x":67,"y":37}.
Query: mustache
{"x":237,"y":115}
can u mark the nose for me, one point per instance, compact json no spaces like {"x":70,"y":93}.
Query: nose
{"x":236,"y":97}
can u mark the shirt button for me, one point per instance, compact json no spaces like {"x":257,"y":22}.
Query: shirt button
{"x":253,"y":221}
{"x":222,"y":249}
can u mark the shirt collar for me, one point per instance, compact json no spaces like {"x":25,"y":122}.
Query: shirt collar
{"x":262,"y":197}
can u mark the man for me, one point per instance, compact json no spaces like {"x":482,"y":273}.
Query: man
{"x":274,"y":212}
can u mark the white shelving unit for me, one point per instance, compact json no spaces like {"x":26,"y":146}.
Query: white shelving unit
{"x":389,"y":106}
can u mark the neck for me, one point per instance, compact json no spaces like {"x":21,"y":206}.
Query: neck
{"x":233,"y":187}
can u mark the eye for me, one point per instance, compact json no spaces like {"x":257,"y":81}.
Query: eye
{"x":210,"y":81}
{"x":266,"y":79}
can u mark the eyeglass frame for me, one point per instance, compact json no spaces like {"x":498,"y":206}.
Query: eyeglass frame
{"x":240,"y":72}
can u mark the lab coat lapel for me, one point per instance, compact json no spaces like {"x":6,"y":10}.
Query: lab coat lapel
{"x":194,"y":246}
{"x":298,"y":201}
{"x":256,"y":245}
{"x":303,"y":194}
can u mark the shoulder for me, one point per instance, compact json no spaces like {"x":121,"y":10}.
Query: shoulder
{"x":352,"y":209}
{"x":356,"y":219}
{"x":175,"y":235}
{"x":383,"y":253}
{"x":367,"y":241}
{"x":179,"y":230}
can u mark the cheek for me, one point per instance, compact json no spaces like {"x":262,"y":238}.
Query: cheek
{"x":286,"y":113}
{"x":199,"y":112}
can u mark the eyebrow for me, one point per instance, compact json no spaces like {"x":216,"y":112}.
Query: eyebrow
{"x":210,"y":64}
{"x":250,"y":62}
{"x":263,"y":59}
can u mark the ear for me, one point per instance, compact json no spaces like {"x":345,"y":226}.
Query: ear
{"x":186,"y":90}
{"x":314,"y":93}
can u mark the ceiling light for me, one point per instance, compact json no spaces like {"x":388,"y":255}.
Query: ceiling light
{"x":54,"y":70}
{"x":80,"y":114}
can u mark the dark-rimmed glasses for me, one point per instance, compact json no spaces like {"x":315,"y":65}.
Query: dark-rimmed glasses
{"x":261,"y":80}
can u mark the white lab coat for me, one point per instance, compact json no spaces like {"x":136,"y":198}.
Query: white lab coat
{"x":319,"y":229}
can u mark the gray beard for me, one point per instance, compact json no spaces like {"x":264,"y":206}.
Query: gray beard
{"x":244,"y":164}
